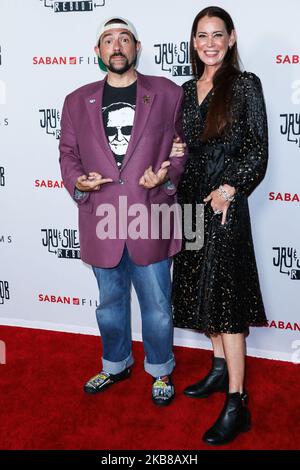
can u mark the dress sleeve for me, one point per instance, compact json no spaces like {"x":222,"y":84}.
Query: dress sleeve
{"x":250,"y":167}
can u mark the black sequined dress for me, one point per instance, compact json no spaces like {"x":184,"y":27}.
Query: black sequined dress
{"x":216,"y":288}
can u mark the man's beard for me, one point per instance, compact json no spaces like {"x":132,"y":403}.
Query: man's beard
{"x":127,"y":66}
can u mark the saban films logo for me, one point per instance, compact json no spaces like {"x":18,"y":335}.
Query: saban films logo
{"x":63,"y":243}
{"x":49,"y":184}
{"x":3,"y":121}
{"x":4,"y":292}
{"x":67,"y":300}
{"x":287,"y":59}
{"x":73,"y":6}
{"x":49,"y":121}
{"x":287,"y":260}
{"x":284,"y":197}
{"x":174,"y":58}
{"x":64,"y":60}
{"x":5,"y":239}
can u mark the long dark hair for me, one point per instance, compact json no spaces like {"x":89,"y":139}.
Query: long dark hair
{"x":219,"y":116}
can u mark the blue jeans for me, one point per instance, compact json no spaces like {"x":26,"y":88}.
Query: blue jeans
{"x":153,"y":287}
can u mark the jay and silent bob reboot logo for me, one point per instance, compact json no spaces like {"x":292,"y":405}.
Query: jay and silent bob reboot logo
{"x":50,"y":121}
{"x":174,"y":58}
{"x":73,"y":6}
{"x":287,"y":261}
{"x":62,"y":243}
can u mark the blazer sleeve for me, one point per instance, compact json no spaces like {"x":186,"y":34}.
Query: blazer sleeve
{"x":250,"y":167}
{"x":177,"y":163}
{"x":70,"y":162}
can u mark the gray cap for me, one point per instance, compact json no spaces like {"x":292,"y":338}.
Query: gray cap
{"x":116,"y":25}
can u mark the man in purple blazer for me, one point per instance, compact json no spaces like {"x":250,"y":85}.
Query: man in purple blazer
{"x":115,"y":147}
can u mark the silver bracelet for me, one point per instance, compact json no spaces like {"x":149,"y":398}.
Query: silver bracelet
{"x":224,"y":194}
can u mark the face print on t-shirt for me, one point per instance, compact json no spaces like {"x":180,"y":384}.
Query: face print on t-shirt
{"x":118,"y":121}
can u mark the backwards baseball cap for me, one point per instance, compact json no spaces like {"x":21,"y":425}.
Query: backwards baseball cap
{"x":118,"y":23}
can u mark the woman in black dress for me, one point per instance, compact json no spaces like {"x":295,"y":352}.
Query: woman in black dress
{"x":216,"y":289}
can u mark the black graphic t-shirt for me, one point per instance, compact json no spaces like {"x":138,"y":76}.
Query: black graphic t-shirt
{"x":118,"y":110}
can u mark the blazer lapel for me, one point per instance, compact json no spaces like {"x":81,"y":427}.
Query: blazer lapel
{"x":144,"y":101}
{"x":94,"y":107}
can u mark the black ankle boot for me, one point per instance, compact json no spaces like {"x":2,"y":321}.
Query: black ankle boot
{"x":234,"y":419}
{"x":215,"y":381}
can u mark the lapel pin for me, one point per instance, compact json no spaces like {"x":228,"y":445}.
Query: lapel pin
{"x":146,"y":99}
{"x":92,"y":101}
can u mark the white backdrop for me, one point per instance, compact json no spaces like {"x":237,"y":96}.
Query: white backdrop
{"x":46,"y":51}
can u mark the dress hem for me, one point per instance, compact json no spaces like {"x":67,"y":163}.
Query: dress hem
{"x":222,"y":331}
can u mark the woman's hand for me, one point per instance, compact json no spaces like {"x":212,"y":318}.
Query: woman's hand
{"x":218,"y":204}
{"x":178,"y":148}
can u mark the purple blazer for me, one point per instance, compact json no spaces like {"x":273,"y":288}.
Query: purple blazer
{"x":84,"y":148}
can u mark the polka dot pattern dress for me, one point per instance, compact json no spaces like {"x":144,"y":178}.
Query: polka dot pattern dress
{"x":216,"y":287}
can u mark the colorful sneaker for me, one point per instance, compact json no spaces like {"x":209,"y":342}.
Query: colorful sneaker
{"x":162,"y":390}
{"x":102,"y":381}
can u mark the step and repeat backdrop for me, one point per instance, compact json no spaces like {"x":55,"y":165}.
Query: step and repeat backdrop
{"x":46,"y":51}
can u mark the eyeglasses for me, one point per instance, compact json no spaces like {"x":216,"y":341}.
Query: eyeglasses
{"x":125,"y":130}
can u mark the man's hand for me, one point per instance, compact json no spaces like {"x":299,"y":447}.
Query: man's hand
{"x":91,"y":182}
{"x":151,"y":180}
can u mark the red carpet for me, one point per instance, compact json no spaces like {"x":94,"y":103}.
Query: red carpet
{"x":43,"y":405}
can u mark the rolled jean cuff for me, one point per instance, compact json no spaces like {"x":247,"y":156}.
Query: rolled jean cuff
{"x":117,"y":367}
{"x":160,"y":369}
